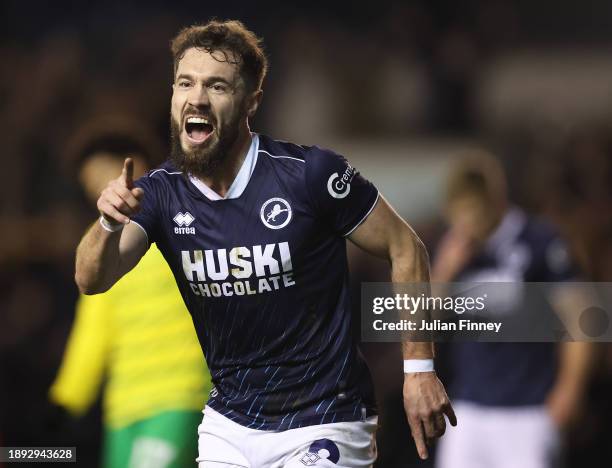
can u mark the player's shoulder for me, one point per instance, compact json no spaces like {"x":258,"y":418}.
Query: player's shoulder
{"x":163,"y":176}
{"x":307,"y":159}
{"x":282,"y":152}
{"x":165,"y":171}
{"x":548,"y":249}
{"x":538,"y":232}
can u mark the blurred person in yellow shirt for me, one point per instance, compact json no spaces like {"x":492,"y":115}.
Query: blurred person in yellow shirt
{"x":138,"y":338}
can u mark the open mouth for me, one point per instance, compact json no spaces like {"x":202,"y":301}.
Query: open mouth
{"x":198,"y":129}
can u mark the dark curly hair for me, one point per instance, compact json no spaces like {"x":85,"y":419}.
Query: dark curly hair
{"x":244,"y":47}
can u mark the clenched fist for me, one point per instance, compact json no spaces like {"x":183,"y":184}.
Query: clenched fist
{"x":120,"y":200}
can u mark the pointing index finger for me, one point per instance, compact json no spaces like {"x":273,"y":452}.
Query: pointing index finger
{"x":418,"y":434}
{"x":127,"y":173}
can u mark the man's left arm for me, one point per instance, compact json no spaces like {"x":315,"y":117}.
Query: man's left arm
{"x":385,"y":234}
{"x":567,"y":395}
{"x":576,"y":359}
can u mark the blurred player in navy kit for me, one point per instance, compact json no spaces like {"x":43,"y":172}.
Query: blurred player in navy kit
{"x":254,"y":231}
{"x":515,"y":395}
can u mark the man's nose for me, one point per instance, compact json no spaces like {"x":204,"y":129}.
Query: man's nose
{"x":198,"y":96}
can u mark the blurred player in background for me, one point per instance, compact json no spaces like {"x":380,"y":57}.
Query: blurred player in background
{"x":516,"y":396}
{"x":255,"y":232}
{"x":137,"y":338}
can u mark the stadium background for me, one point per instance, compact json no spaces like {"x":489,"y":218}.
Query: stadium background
{"x":399,"y":88}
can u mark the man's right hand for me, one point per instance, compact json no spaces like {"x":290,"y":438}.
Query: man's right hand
{"x":120,"y":199}
{"x":426,"y":403}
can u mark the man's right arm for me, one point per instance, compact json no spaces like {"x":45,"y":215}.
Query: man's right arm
{"x":105,"y":254}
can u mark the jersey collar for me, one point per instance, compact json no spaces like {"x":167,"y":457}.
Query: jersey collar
{"x":241,"y":180}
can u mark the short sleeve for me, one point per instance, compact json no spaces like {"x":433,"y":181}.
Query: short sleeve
{"x":85,"y":358}
{"x":339,"y":194}
{"x":147,"y":218}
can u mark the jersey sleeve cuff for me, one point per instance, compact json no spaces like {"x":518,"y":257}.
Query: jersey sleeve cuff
{"x":143,"y":229}
{"x":350,"y":230}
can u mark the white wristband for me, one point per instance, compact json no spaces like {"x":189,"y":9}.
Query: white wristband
{"x":418,"y":365}
{"x":110,"y":227}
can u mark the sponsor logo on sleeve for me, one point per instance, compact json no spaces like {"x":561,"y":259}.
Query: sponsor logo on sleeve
{"x":339,"y":185}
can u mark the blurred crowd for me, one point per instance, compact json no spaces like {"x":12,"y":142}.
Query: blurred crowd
{"x":528,"y":82}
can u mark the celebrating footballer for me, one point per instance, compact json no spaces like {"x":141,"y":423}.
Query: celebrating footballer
{"x":254,"y":230}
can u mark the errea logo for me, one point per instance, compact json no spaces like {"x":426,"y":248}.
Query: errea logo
{"x":183,"y":221}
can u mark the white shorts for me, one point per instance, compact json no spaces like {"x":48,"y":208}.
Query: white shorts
{"x":499,"y":437}
{"x":222,"y":443}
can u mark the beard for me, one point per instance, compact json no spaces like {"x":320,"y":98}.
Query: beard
{"x":203,"y":160}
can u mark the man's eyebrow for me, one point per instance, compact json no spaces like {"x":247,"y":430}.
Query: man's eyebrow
{"x":184,"y":75}
{"x":210,"y":79}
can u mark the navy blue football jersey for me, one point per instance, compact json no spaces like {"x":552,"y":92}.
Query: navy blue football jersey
{"x":265,"y":277}
{"x":522,"y":249}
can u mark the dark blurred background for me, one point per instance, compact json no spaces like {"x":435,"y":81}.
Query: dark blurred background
{"x":400,"y":88}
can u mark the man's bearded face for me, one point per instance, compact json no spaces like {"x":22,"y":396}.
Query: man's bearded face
{"x":207,"y":107}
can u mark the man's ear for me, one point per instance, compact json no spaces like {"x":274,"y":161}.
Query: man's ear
{"x":253,"y":102}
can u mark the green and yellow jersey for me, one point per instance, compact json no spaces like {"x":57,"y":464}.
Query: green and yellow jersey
{"x":140,"y":336}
